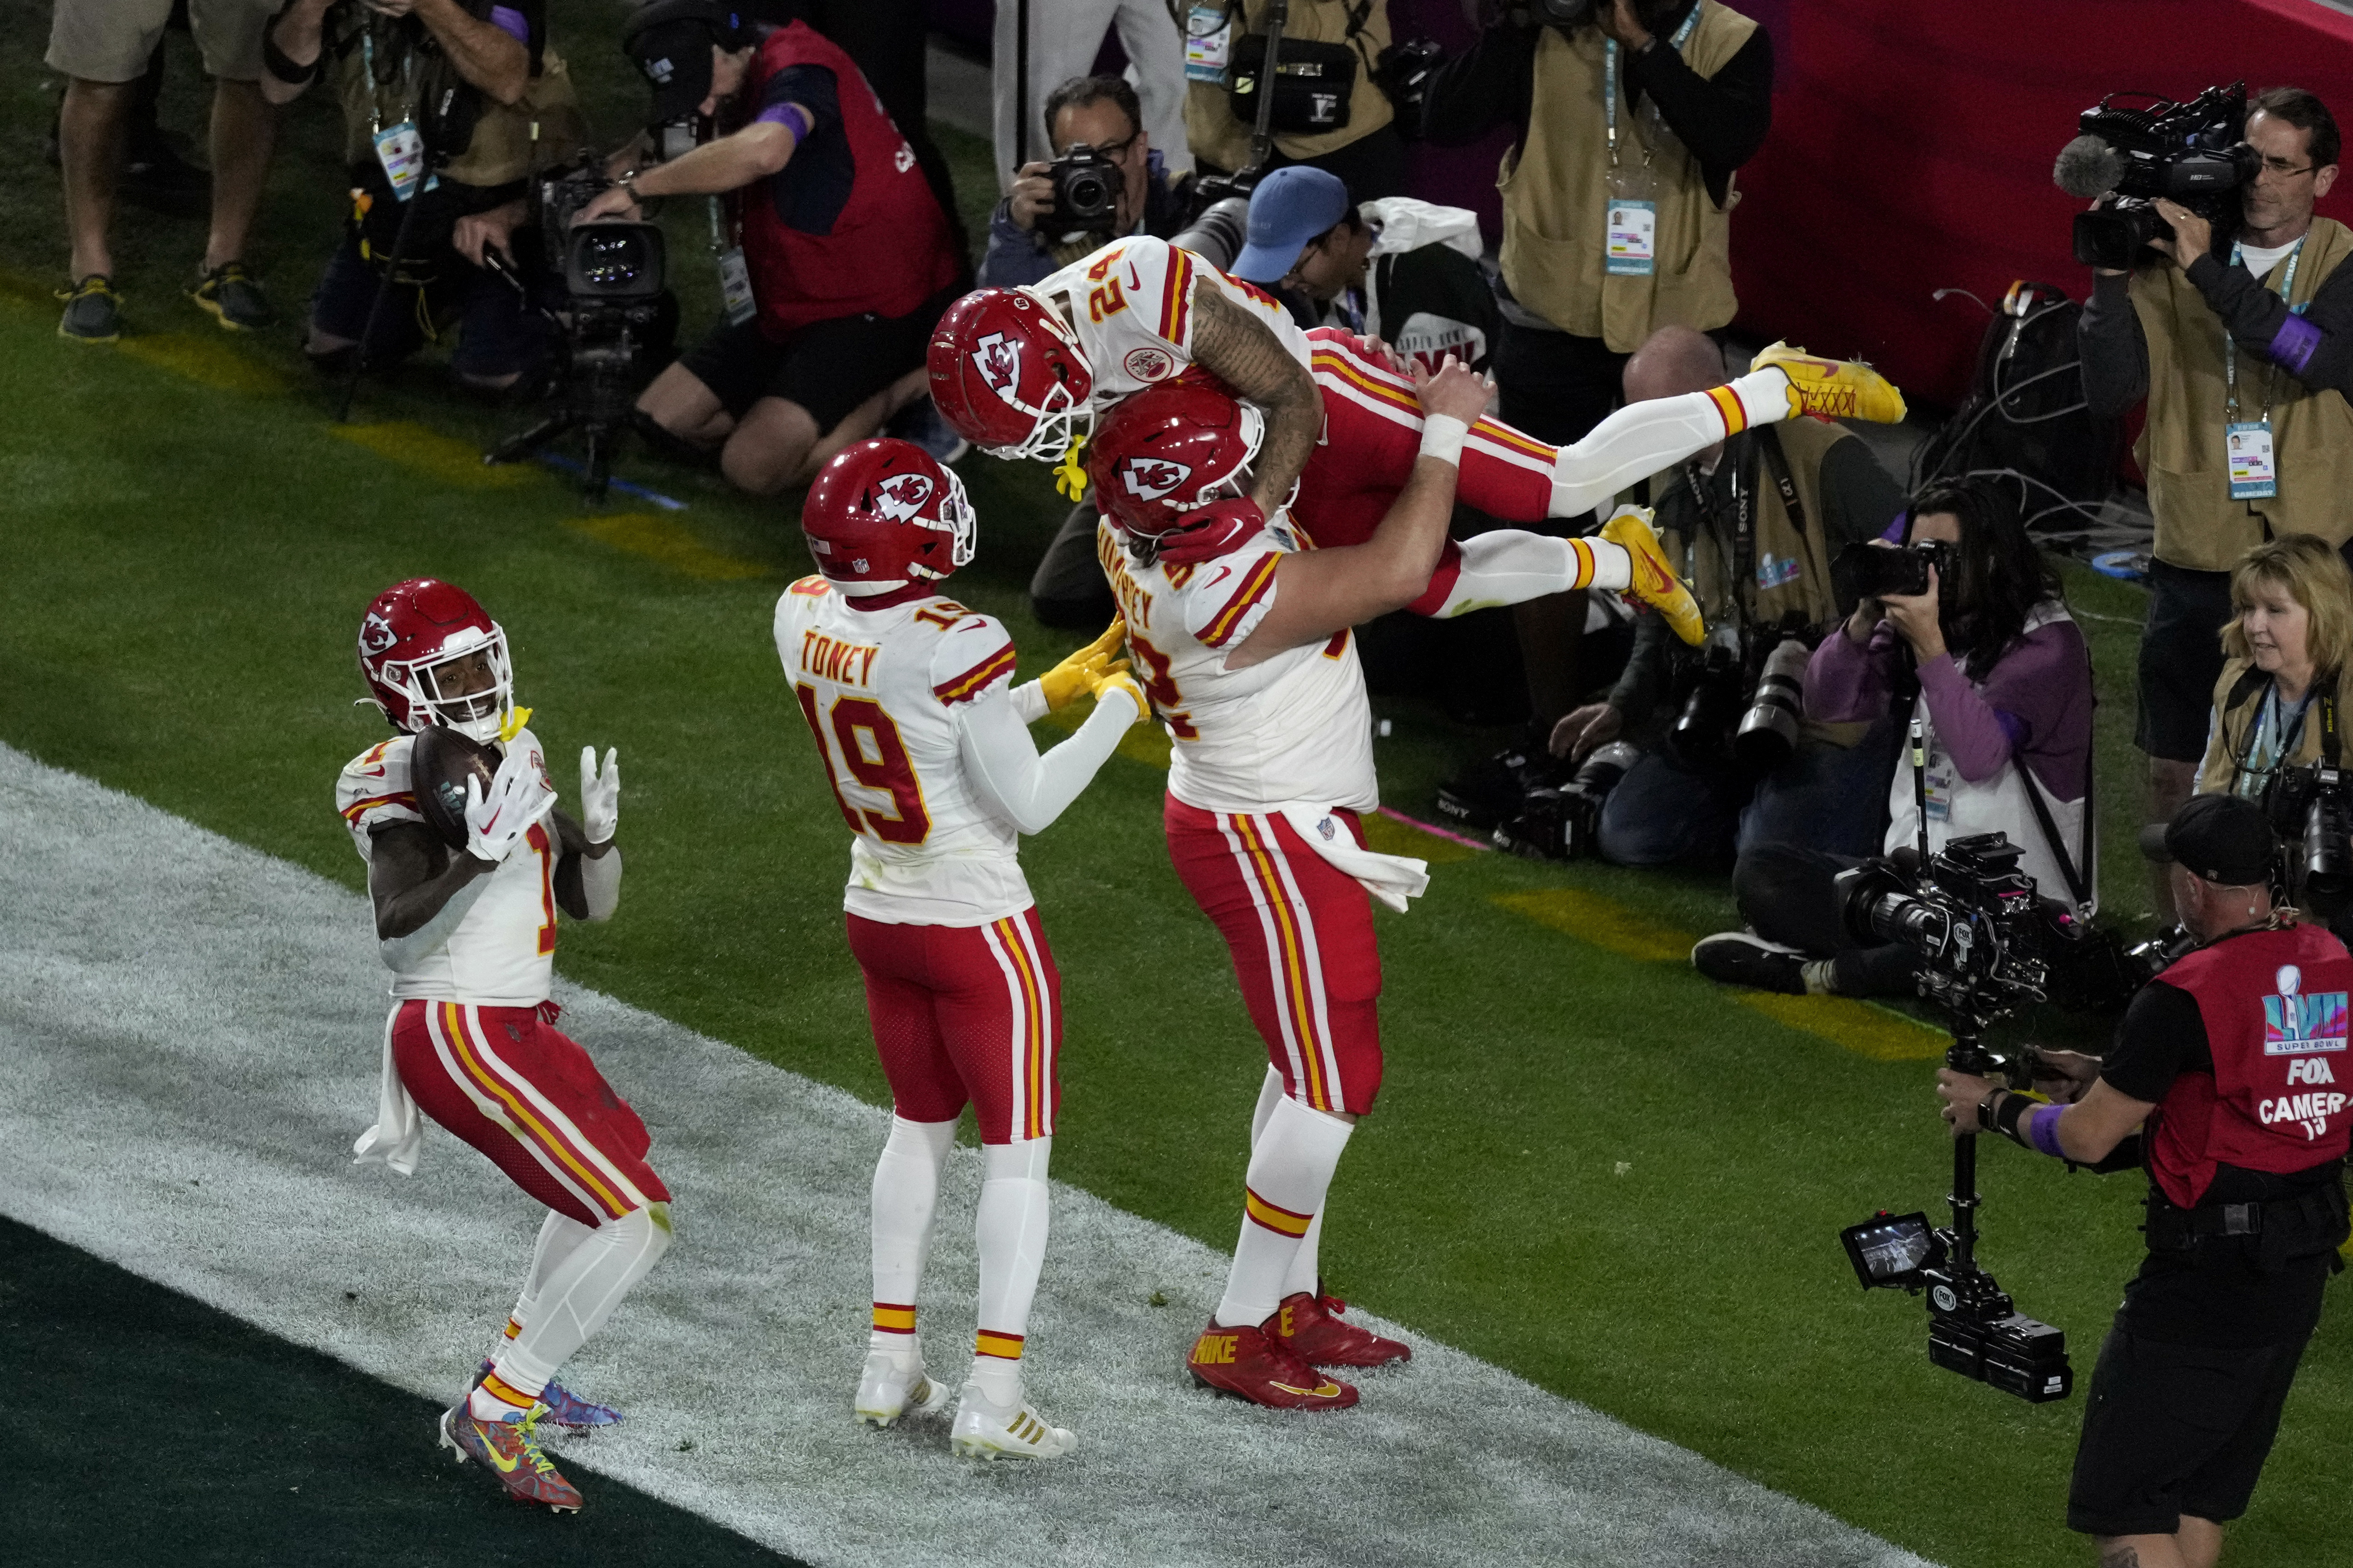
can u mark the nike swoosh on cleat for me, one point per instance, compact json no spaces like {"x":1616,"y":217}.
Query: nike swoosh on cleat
{"x":499,"y":1461}
{"x":1325,"y":1392}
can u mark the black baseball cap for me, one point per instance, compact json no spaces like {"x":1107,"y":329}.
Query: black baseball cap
{"x":2222,"y":838}
{"x":669,"y":42}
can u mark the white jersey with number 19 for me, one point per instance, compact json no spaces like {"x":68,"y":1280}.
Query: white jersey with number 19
{"x":879,"y":689}
{"x":1131,"y":306}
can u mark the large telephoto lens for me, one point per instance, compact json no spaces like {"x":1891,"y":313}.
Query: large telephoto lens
{"x":1769,"y":731}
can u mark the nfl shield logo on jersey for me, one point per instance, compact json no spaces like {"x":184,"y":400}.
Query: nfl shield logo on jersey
{"x":1149,"y":478}
{"x":997,"y":359}
{"x":902,"y":496}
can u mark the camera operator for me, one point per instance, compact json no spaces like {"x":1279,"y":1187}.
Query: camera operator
{"x":1751,"y":523}
{"x":1362,"y":147}
{"x":846,"y":251}
{"x":1397,"y":269}
{"x":450,"y":106}
{"x":1990,"y":661}
{"x":2250,"y":337}
{"x":2274,"y":723}
{"x":2226,"y":1063}
{"x":1643,"y":110}
{"x":1093,"y":114}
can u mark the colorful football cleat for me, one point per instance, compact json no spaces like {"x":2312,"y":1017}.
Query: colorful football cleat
{"x":980,"y":1434}
{"x":893,"y":1386}
{"x":1309,"y":1326}
{"x":1654,"y":580}
{"x":509,"y":1449}
{"x":1833,"y":388}
{"x":567,"y":1409}
{"x":1252,"y":1363}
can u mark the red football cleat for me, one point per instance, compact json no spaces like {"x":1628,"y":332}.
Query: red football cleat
{"x":1252,"y":1363}
{"x":1309,"y":1326}
{"x":509,"y":1449}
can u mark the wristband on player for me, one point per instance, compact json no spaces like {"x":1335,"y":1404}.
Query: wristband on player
{"x":1441,"y":437}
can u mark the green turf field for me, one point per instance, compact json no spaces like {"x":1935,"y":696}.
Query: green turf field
{"x":1589,"y":1165}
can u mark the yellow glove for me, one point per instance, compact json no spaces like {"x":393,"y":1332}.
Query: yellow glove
{"x":1116,"y":680}
{"x":1068,"y":680}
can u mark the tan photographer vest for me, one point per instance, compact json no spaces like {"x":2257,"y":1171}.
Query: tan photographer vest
{"x":1556,"y":190}
{"x":511,"y":141}
{"x":2234,"y":727}
{"x":1780,"y":544}
{"x":1216,"y":137}
{"x":2182,"y":448}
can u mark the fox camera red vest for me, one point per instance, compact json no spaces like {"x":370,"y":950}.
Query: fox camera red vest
{"x":888,"y":250}
{"x":2274,"y":1006}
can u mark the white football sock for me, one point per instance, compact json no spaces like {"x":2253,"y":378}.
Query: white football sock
{"x":1306,"y":1269}
{"x":580,"y":1294}
{"x":1011,"y":1231}
{"x":558,"y":1235}
{"x":1642,"y":438}
{"x":1509,"y":566}
{"x":906,"y":1192}
{"x":1290,"y":1170}
{"x":1270,"y":1095}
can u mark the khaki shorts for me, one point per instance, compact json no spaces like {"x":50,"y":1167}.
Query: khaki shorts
{"x":109,"y":40}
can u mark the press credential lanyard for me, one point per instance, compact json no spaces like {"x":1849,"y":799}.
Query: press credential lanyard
{"x":1631,"y":235}
{"x":2255,"y":475}
{"x":734,"y":277}
{"x":400,"y":148}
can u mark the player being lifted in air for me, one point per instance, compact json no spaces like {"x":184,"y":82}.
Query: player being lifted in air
{"x":1249,"y":661}
{"x":925,"y":739}
{"x":1025,"y":372}
{"x":469,"y":861}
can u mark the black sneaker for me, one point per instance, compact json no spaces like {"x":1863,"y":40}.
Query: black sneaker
{"x":233,"y":297}
{"x":92,"y":310}
{"x":1744,"y":958}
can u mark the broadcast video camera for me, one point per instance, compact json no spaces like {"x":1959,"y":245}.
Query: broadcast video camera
{"x":2194,"y":153}
{"x":612,"y":275}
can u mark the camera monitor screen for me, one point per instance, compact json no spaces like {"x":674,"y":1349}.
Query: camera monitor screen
{"x":1889,"y":1250}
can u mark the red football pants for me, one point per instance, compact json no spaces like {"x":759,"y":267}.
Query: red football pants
{"x":966,"y":1013}
{"x":1372,"y":434}
{"x":505,"y":1080}
{"x":1300,"y":933}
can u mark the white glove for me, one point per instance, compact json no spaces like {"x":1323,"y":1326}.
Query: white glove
{"x":600,"y":798}
{"x":497,"y":820}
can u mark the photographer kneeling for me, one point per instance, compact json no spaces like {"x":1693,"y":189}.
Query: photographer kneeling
{"x":2276,"y":726}
{"x":2228,"y":1062}
{"x":1990,"y":660}
{"x":449,"y":107}
{"x":846,"y":258}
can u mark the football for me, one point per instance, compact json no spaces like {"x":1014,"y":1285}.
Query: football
{"x":439,"y":766}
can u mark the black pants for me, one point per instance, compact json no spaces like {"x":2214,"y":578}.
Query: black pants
{"x":1788,"y":894}
{"x":1554,"y":386}
{"x":1069,"y":590}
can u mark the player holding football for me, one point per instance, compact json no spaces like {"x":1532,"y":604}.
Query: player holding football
{"x":1249,"y":661}
{"x":1023,"y":372}
{"x":925,"y":739}
{"x":465,"y":919}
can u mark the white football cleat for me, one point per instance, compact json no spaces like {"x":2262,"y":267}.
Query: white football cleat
{"x":980,"y":1434}
{"x":893,"y":1386}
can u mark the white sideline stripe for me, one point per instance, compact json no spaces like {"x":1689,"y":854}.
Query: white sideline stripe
{"x":183,"y":1070}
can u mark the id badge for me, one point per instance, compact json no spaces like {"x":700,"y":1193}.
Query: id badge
{"x":2253,"y":475}
{"x":401,"y":150}
{"x":1631,"y":240}
{"x":1939,"y":780}
{"x":735,"y":287}
{"x":1208,"y":39}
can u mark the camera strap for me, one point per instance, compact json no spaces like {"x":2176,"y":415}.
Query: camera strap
{"x":1610,"y":83}
{"x":2086,"y":898}
{"x":2231,"y":346}
{"x":1779,"y":461}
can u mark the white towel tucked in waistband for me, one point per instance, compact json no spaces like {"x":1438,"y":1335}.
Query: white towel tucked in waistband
{"x":1392,"y":878}
{"x":398,"y":1135}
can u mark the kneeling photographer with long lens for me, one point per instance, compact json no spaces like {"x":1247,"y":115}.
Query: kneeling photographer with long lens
{"x":2232,"y":1065}
{"x":2275,"y":736}
{"x":1964,"y":630}
{"x":449,"y":107}
{"x":839,"y":258}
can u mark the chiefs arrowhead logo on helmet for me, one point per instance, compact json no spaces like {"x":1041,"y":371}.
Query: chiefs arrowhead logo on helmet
{"x":1149,"y":478}
{"x":900,"y":495}
{"x":376,"y":634}
{"x":997,"y":360}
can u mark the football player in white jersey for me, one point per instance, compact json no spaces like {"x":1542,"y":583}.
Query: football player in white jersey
{"x":1024,"y":372}
{"x":1251,"y":665}
{"x":926,"y":741}
{"x":469,"y":932}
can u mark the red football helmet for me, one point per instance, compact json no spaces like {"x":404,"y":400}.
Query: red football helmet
{"x":881,"y":513}
{"x":410,"y":635}
{"x":1168,"y":450}
{"x":1009,"y":375}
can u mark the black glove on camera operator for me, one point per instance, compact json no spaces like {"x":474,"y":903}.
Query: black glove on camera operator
{"x":2232,"y":1065}
{"x":449,"y":107}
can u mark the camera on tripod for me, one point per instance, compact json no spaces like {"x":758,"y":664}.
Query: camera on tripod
{"x":2194,"y":153}
{"x":1086,"y":193}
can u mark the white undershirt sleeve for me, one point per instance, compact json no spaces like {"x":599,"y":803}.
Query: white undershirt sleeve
{"x":1029,"y":701}
{"x":1010,"y":776}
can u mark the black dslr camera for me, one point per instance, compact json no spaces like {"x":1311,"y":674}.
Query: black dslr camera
{"x":1874,"y":571}
{"x":2194,"y":153}
{"x":1086,"y":193}
{"x":1563,"y":821}
{"x":1973,"y":918}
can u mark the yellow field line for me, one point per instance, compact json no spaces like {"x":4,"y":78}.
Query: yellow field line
{"x":444,"y":457}
{"x":663,"y":538}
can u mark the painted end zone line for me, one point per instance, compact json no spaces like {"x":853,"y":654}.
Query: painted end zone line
{"x":181,"y":1073}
